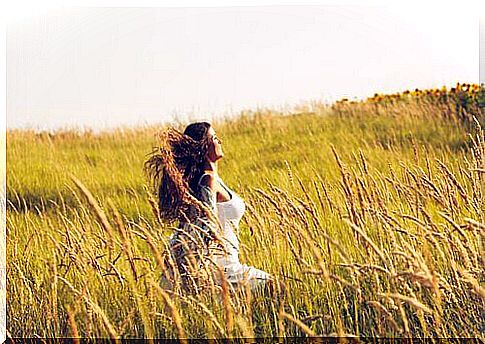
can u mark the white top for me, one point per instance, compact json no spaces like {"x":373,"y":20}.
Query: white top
{"x":230,"y":213}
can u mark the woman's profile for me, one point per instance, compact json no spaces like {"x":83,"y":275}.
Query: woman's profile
{"x":190,"y":191}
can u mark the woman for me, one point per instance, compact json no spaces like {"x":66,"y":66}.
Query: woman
{"x":189,"y":189}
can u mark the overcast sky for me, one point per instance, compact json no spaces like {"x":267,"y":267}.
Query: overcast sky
{"x":104,"y":67}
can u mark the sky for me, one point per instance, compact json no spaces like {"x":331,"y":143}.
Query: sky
{"x":95,"y":67}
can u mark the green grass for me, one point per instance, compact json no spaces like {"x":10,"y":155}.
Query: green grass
{"x":55,"y":238}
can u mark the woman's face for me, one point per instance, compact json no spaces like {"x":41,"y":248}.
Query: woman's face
{"x":215,"y":146}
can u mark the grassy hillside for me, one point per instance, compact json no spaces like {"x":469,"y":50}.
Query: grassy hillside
{"x":372,"y":214}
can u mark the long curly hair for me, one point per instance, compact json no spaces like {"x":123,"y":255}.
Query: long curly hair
{"x":174,"y":169}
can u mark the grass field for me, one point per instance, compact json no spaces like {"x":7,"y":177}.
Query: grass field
{"x":371,"y":213}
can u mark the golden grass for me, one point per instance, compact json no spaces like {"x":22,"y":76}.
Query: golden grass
{"x":372,"y":216}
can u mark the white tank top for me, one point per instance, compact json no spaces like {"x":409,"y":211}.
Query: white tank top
{"x":230,"y":213}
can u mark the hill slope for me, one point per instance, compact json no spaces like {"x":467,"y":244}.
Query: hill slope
{"x":372,"y":213}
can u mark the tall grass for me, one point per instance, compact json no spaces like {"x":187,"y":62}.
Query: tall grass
{"x":372,"y":216}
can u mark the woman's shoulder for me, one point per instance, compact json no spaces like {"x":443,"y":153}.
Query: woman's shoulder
{"x":208,"y":179}
{"x":207,"y":189}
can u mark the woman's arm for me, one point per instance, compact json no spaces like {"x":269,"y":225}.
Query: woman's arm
{"x":208,"y":196}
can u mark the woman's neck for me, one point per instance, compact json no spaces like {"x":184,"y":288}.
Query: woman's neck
{"x":211,"y":166}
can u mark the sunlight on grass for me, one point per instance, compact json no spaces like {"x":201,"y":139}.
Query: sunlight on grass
{"x":371,"y":213}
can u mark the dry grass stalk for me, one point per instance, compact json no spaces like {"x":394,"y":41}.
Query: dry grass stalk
{"x":468,"y":277}
{"x":288,"y":171}
{"x":176,"y":319}
{"x":346,"y":187}
{"x":211,"y":315}
{"x":319,"y":196}
{"x":364,"y":162}
{"x":127,"y":248}
{"x":191,"y":301}
{"x":122,"y":326}
{"x":463,"y":253}
{"x":276,"y":206}
{"x":109,"y":327}
{"x":249,"y":302}
{"x":409,"y":300}
{"x":154,"y":248}
{"x":475,"y":223}
{"x":296,"y":255}
{"x":366,"y":267}
{"x":325,"y":191}
{"x":53,"y":266}
{"x":316,"y":253}
{"x":72,"y":325}
{"x":345,"y":283}
{"x":422,"y":278}
{"x":340,"y":249}
{"x":319,"y":225}
{"x":9,"y":336}
{"x":368,"y":240}
{"x":298,"y":323}
{"x":245,"y":327}
{"x":226,"y":300}
{"x":383,"y":310}
{"x":455,"y":182}
{"x":404,"y":319}
{"x":456,"y":227}
{"x":100,"y":214}
{"x":153,"y":205}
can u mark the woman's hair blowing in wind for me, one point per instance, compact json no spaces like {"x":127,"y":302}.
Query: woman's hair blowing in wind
{"x":174,"y":169}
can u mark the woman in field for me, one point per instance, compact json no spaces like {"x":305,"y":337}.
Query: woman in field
{"x":205,"y":246}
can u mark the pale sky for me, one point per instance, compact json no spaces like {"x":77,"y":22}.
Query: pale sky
{"x":105,"y":67}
